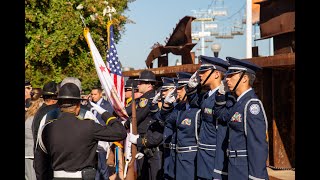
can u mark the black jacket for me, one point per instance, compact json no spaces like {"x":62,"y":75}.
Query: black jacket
{"x":71,"y":143}
{"x":143,"y":115}
{"x":42,"y":111}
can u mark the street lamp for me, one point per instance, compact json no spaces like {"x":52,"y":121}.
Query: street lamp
{"x":215,"y":49}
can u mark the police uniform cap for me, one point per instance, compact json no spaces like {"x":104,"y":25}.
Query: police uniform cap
{"x":167,"y":83}
{"x":129,"y":84}
{"x":208,"y":63}
{"x":237,"y":65}
{"x":147,"y":76}
{"x":50,"y":89}
{"x":182,"y":78}
{"x":69,"y":91}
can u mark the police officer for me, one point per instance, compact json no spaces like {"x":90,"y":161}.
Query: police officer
{"x":49,"y":95}
{"x":69,"y":144}
{"x":248,"y":141}
{"x":211,"y":73}
{"x":146,"y":83}
{"x":130,"y":83}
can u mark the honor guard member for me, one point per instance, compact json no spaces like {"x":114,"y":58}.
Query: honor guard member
{"x":186,"y":144}
{"x":128,"y":94}
{"x":211,"y":73}
{"x":152,"y":142}
{"x":169,"y":114}
{"x":146,"y":82}
{"x":248,"y":140}
{"x":69,"y":144}
{"x":49,"y":95}
{"x":168,"y":84}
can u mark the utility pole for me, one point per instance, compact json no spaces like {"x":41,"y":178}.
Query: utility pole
{"x":249,"y":29}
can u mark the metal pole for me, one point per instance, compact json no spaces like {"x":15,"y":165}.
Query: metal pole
{"x":249,"y":29}
{"x":270,"y":46}
{"x":202,"y":38}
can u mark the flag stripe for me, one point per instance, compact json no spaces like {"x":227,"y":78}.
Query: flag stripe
{"x":105,"y":78}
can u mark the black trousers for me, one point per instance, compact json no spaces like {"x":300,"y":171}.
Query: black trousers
{"x":150,"y":167}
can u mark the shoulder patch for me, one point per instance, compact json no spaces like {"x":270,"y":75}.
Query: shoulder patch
{"x":254,"y":109}
{"x":143,"y":102}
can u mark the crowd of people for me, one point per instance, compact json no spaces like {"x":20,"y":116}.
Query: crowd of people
{"x":206,"y":125}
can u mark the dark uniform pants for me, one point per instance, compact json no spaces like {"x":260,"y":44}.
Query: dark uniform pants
{"x":102,"y":170}
{"x":150,"y":167}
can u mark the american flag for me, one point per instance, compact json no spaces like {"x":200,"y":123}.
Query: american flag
{"x":105,"y":78}
{"x":114,"y":66}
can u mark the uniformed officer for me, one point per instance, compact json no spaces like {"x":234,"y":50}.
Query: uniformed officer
{"x":69,"y":144}
{"x":212,"y":132}
{"x":248,"y":140}
{"x":146,"y":83}
{"x":169,"y":114}
{"x":186,"y":144}
{"x":49,"y":95}
{"x":168,"y":84}
{"x":128,"y":94}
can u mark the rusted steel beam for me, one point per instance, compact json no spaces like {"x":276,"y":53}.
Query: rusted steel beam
{"x":169,"y":71}
{"x":283,"y":119}
{"x":179,"y":43}
{"x":280,"y":60}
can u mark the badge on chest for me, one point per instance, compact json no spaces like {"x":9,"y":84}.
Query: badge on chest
{"x":186,"y":121}
{"x":143,"y":102}
{"x":236,"y":117}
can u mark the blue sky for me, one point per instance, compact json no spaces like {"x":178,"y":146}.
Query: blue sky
{"x":155,"y":20}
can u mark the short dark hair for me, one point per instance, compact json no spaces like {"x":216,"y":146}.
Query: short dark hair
{"x":251,"y":77}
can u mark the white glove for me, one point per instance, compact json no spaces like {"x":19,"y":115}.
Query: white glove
{"x":133,"y":138}
{"x":194,"y":80}
{"x":223,"y":88}
{"x":170,"y":98}
{"x":96,"y":107}
{"x":155,"y":98}
{"x":139,"y":155}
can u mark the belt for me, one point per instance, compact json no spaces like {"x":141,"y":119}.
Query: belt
{"x":65,"y":174}
{"x":208,"y":147}
{"x":169,"y":145}
{"x":236,"y":153}
{"x":186,"y":149}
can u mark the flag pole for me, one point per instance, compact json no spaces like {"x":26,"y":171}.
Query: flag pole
{"x":132,"y":174}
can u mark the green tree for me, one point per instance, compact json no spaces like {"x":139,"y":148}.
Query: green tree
{"x":54,"y":43}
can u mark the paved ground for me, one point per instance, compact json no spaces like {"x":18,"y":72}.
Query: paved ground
{"x":281,"y":174}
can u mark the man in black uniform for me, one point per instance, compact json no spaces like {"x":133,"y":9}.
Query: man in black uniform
{"x":49,"y":95}
{"x":128,"y":94}
{"x":146,"y":82}
{"x":69,"y":144}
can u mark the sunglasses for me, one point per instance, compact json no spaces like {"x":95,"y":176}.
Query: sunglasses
{"x":143,"y":82}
